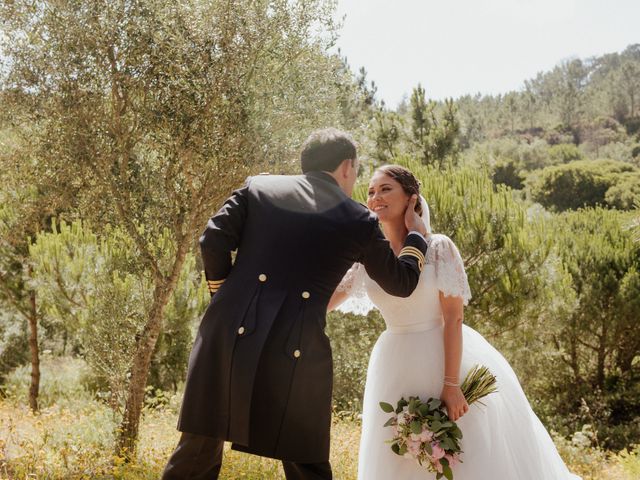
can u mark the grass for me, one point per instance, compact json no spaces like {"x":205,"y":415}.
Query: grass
{"x":72,"y":438}
{"x":76,"y":443}
{"x":65,"y":443}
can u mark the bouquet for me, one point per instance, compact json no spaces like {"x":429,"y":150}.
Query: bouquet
{"x":423,"y":431}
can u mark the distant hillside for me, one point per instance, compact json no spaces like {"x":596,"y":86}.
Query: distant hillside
{"x":593,"y":102}
{"x":581,"y":111}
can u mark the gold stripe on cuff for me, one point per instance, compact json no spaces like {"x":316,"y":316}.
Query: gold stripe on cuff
{"x":412,"y":250}
{"x":214,"y":285}
{"x":420,"y":263}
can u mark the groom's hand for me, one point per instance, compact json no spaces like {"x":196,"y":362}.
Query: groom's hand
{"x":412,"y":220}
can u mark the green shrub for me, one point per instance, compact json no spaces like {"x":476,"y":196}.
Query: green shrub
{"x":581,"y":184}
{"x":564,"y":153}
{"x":352,"y":339}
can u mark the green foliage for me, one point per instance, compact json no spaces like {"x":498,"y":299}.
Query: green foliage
{"x":99,"y":292}
{"x":601,"y":337}
{"x":387,"y":129}
{"x":525,"y":156}
{"x":586,"y":184}
{"x":352,"y":339}
{"x":434,"y":140}
{"x":169,"y":366}
{"x":424,"y":129}
{"x":506,"y":173}
{"x":625,"y":192}
{"x":564,"y":153}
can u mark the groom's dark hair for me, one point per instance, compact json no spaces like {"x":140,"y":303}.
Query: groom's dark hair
{"x":325,"y":149}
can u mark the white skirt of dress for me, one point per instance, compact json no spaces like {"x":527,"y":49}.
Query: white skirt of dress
{"x":502,"y":439}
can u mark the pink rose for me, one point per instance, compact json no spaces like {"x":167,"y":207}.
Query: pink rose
{"x":438,"y":451}
{"x":413,"y":447}
{"x":426,"y":435}
{"x":452,"y":459}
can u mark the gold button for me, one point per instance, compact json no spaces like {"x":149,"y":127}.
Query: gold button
{"x":240,"y":330}
{"x":297,"y":353}
{"x":262,"y":277}
{"x":306,"y":294}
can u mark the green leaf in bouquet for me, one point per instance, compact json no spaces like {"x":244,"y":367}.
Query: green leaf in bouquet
{"x":434,"y":403}
{"x":446,"y":444}
{"x":423,"y":409}
{"x":401,"y":404}
{"x":439,"y":476}
{"x":386,"y":407}
{"x":416,"y":427}
{"x":435,"y":426}
{"x":446,"y":471}
{"x":395,"y":448}
{"x":427,"y":447}
{"x":390,"y":422}
{"x":403,"y":449}
{"x":412,"y":406}
{"x":456,"y":432}
{"x":448,"y":424}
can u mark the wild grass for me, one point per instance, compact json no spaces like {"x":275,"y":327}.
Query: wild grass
{"x":72,"y":438}
{"x":77,"y":443}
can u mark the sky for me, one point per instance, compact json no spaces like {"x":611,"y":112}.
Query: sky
{"x":458,"y":47}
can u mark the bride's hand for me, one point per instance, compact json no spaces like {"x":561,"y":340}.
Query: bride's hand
{"x":455,"y":402}
{"x":412,"y":220}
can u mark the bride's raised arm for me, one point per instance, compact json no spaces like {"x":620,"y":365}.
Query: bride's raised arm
{"x":349,"y":284}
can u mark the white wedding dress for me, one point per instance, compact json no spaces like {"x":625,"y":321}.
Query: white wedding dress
{"x":502,"y":440}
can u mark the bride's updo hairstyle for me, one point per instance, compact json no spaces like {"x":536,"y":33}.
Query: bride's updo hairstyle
{"x":407,"y":181}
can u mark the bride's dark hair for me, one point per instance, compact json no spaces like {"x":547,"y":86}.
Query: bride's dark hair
{"x":406,"y":179}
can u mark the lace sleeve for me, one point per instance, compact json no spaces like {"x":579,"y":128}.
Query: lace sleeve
{"x":451,"y":277}
{"x":353,"y":285}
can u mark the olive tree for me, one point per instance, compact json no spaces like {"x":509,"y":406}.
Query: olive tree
{"x":147,"y":113}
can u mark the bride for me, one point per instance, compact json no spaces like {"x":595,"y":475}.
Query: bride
{"x":426,"y":351}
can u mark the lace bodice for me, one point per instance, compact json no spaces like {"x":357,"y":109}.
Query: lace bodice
{"x":443,"y":272}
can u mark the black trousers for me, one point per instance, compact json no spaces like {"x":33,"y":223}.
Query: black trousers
{"x":199,"y":458}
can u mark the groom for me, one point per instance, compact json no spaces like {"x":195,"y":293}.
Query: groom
{"x":260,"y":372}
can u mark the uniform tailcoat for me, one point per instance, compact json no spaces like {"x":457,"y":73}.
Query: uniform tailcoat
{"x":260,"y":371}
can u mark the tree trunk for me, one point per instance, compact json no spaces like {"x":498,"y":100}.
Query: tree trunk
{"x":602,"y":353}
{"x":575,"y":365}
{"x":34,"y":388}
{"x":128,"y":432}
